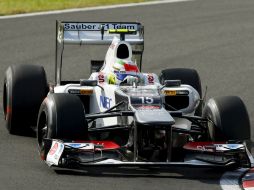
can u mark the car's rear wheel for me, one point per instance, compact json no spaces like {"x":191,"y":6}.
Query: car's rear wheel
{"x":25,"y":87}
{"x":229,"y":119}
{"x":61,"y":116}
{"x":187,"y":76}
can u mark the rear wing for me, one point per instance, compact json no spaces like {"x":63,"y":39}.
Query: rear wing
{"x":83,"y":33}
{"x":95,"y":33}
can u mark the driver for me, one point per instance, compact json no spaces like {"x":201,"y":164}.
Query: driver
{"x":123,"y":71}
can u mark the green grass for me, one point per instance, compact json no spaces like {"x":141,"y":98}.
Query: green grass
{"x":8,"y":7}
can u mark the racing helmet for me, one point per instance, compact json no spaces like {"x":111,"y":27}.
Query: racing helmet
{"x":124,"y":68}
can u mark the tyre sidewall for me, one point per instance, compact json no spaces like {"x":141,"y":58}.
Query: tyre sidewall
{"x":26,"y":87}
{"x":230,"y":118}
{"x":64,"y":119}
{"x":8,"y":104}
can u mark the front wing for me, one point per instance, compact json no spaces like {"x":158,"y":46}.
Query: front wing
{"x":60,"y":154}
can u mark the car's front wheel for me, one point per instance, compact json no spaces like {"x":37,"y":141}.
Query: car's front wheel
{"x":229,"y":119}
{"x":61,"y":116}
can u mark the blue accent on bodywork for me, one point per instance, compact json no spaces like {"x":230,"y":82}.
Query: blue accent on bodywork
{"x":105,"y":102}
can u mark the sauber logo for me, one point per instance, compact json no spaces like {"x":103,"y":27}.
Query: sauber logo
{"x":97,"y":26}
{"x":105,"y":102}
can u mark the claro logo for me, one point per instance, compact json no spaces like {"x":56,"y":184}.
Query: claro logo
{"x":105,"y":102}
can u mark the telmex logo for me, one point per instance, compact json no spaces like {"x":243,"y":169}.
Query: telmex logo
{"x":53,"y":149}
{"x":97,"y":26}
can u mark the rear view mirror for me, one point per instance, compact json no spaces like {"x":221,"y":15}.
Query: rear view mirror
{"x":172,"y":83}
{"x":87,"y":82}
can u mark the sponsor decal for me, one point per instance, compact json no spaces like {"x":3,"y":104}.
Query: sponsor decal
{"x":98,"y":26}
{"x":226,"y":147}
{"x":198,"y":145}
{"x":80,"y":26}
{"x":111,"y":78}
{"x":55,"y":153}
{"x":53,"y":149}
{"x":81,"y":91}
{"x":150,"y":78}
{"x":176,"y":92}
{"x":182,"y":92}
{"x":212,"y":147}
{"x":105,"y":102}
{"x":105,"y":145}
{"x":101,"y":78}
{"x":206,"y":148}
{"x":74,"y":91}
{"x":170,"y":92}
{"x":83,"y":146}
{"x":86,"y":91}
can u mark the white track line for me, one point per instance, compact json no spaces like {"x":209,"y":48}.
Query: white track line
{"x":92,"y":8}
{"x":230,"y":179}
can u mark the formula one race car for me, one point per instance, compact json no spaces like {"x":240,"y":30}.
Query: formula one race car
{"x":120,"y":116}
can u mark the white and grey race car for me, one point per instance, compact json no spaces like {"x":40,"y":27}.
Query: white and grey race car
{"x":121,"y":116}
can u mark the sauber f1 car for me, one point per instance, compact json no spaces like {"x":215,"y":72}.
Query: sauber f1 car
{"x":121,"y":116}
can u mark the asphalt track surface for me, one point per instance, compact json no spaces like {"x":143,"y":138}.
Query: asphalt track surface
{"x":216,"y":37}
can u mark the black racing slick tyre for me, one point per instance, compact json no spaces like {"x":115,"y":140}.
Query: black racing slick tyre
{"x":61,"y":116}
{"x":25,"y":87}
{"x":229,"y":119}
{"x":187,"y":76}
